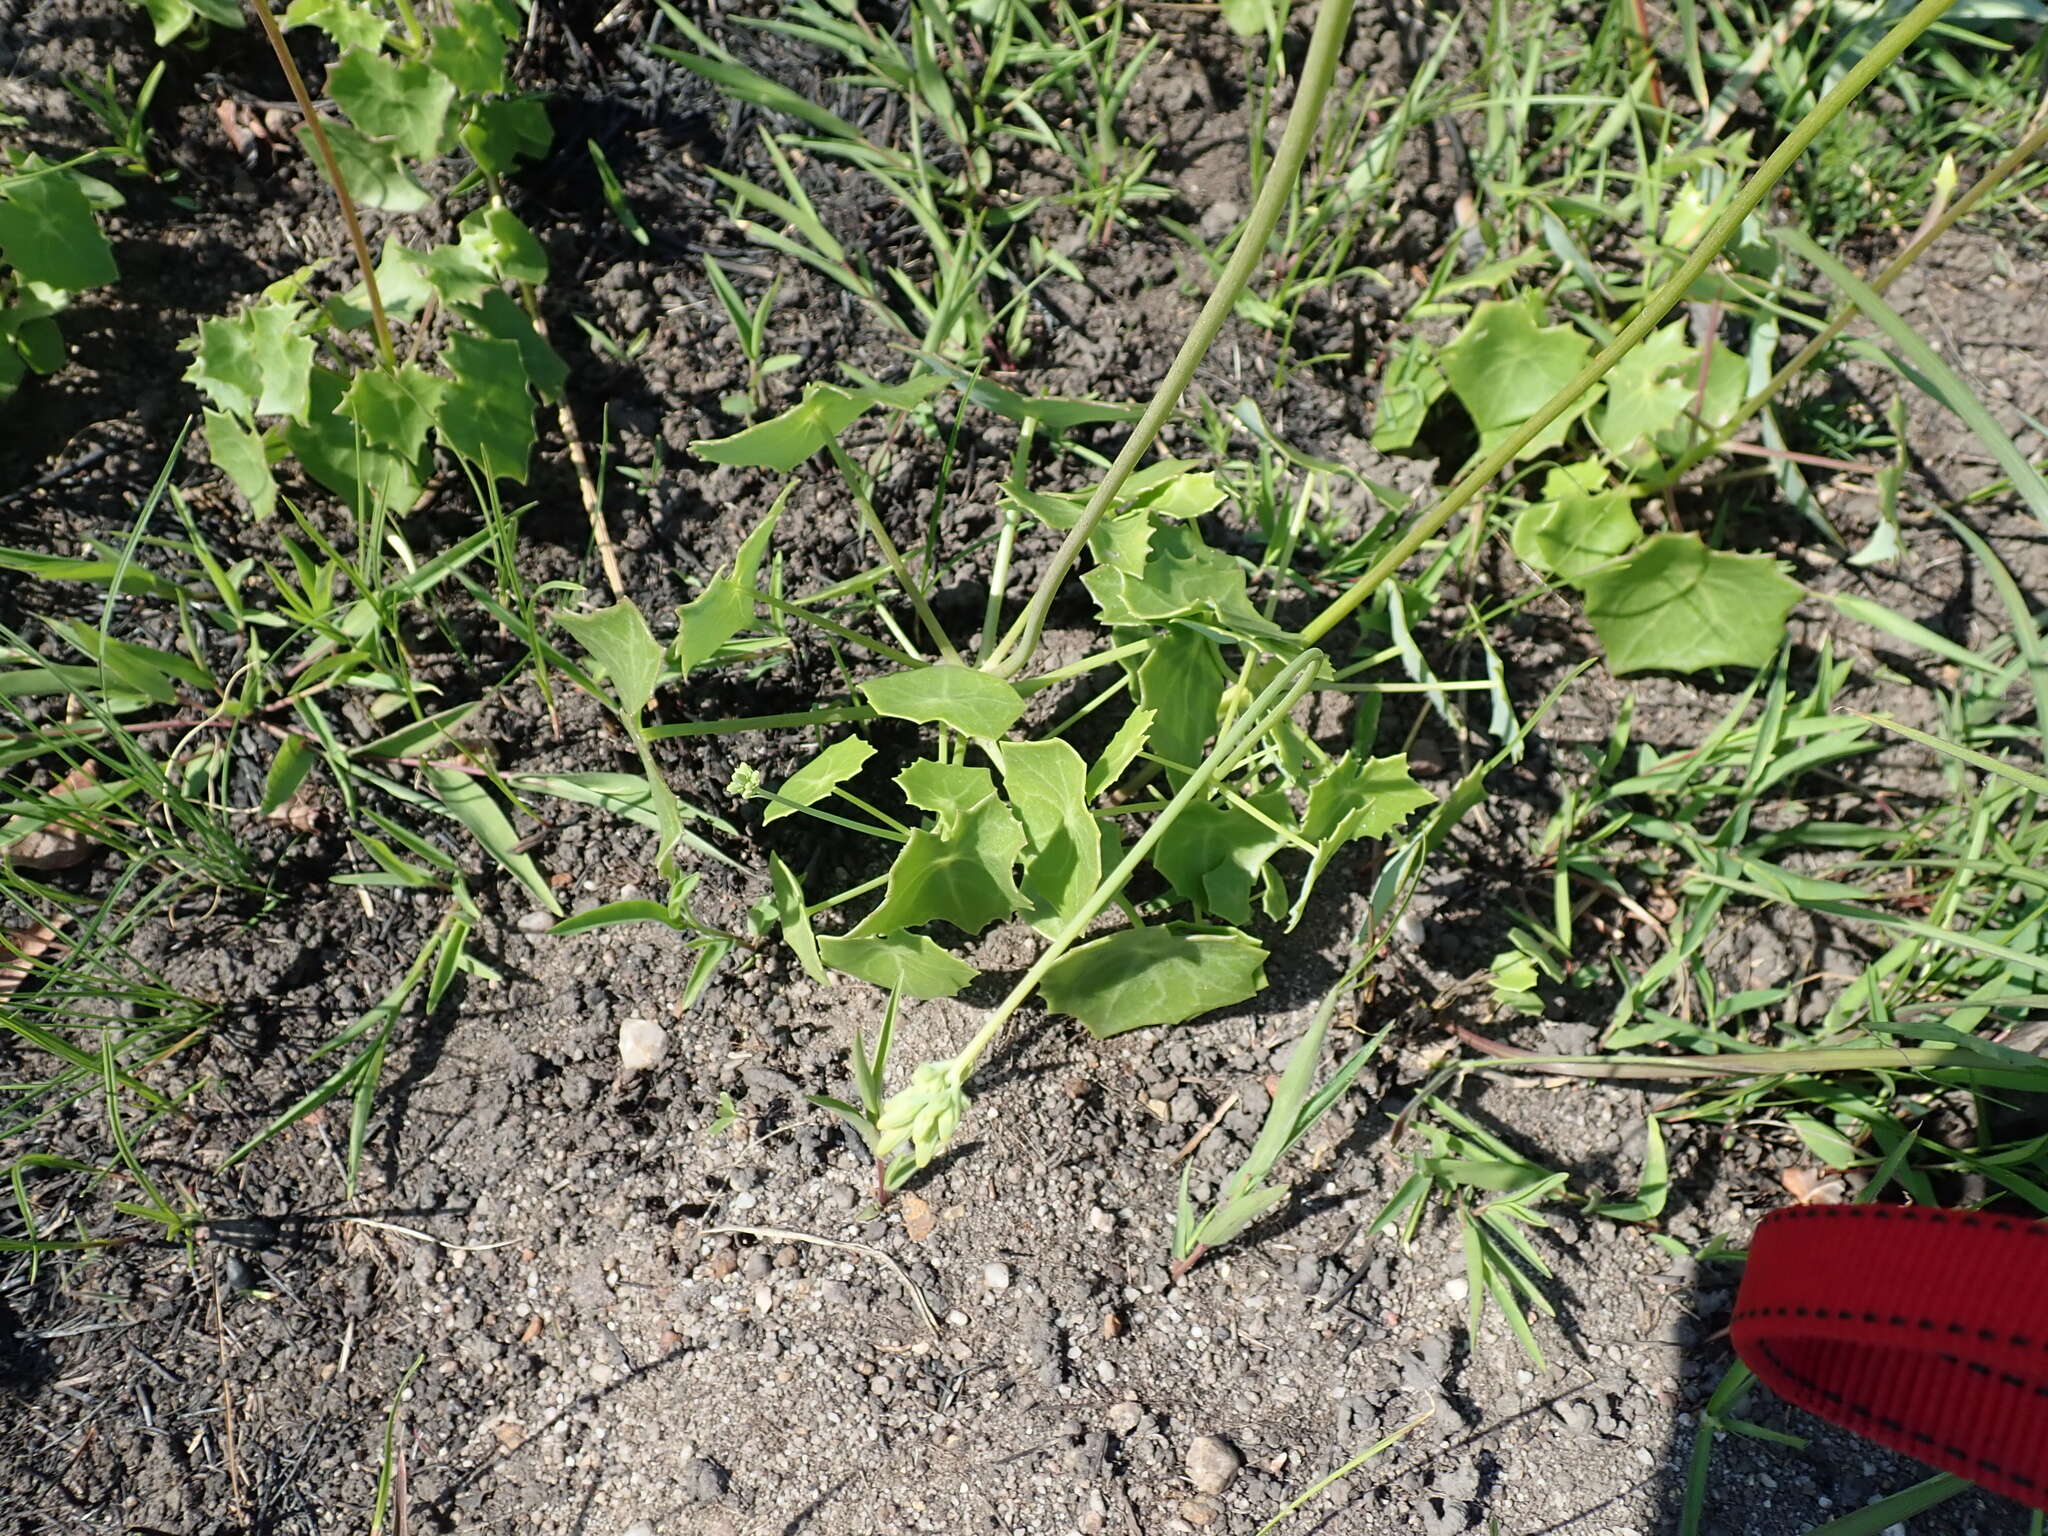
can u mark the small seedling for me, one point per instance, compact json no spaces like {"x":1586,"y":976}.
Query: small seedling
{"x":750,"y":326}
{"x":1295,"y":1109}
{"x":126,"y":123}
{"x":864,"y":1119}
{"x":615,"y":193}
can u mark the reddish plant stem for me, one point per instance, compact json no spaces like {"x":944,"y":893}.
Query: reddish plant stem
{"x":297,"y":82}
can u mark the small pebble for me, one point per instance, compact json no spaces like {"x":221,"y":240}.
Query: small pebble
{"x":640,"y":1528}
{"x":1124,"y":1418}
{"x":1456,"y":1288}
{"x":704,"y":1480}
{"x":535,"y":922}
{"x":642,"y":1044}
{"x":1100,"y":1219}
{"x":995,"y":1277}
{"x":1200,"y":1512}
{"x":1212,"y":1462}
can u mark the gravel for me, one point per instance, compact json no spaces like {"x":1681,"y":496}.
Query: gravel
{"x":1212,"y":1462}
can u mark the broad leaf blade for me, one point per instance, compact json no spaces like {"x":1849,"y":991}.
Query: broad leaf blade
{"x":971,"y":701}
{"x":820,"y":776}
{"x":1675,"y":605}
{"x":48,"y":233}
{"x":911,"y":962}
{"x":611,"y":915}
{"x":960,"y":874}
{"x":1047,"y":785}
{"x":1159,"y":975}
{"x":783,"y":442}
{"x":620,"y":641}
{"x":796,"y":923}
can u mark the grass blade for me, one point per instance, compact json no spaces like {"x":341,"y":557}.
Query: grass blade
{"x":471,"y":804}
{"x":1925,"y":367}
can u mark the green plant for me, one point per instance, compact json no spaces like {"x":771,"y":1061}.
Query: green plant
{"x":437,"y":352}
{"x":1494,"y":1194}
{"x":1672,"y":574}
{"x":433,"y":970}
{"x":1961,"y":90}
{"x":1158,"y":799}
{"x":1346,"y":195}
{"x":949,"y":311}
{"x":84,"y":1022}
{"x":750,"y":327}
{"x":1073,"y":82}
{"x":975,"y":83}
{"x":1293,"y":1112}
{"x":615,"y":193}
{"x":1171,"y":604}
{"x":127,"y":123}
{"x":172,"y":19}
{"x":51,"y":248}
{"x":870,"y":1073}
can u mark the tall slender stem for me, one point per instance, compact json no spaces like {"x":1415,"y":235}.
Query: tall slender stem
{"x":1655,"y":308}
{"x":1325,"y":47}
{"x":378,"y":323}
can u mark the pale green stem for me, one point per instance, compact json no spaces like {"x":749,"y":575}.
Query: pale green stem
{"x":999,"y":579}
{"x":1280,"y":696}
{"x":411,"y":22}
{"x":1318,"y":69}
{"x":1896,"y":268}
{"x":1655,"y":308}
{"x":1086,"y":664}
{"x":834,"y":627}
{"x":893,"y":558}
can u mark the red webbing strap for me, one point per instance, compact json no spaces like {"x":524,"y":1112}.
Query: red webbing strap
{"x":1924,"y":1330}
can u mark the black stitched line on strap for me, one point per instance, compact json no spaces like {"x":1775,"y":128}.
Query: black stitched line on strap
{"x":1923,"y":1324}
{"x":1872,"y":1416}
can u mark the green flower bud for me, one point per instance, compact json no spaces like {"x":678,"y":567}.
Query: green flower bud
{"x":925,"y":1114}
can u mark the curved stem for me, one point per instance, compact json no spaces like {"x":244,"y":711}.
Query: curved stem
{"x":1655,"y":308}
{"x":1279,"y":696}
{"x":1305,"y":117}
{"x":297,"y":81}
